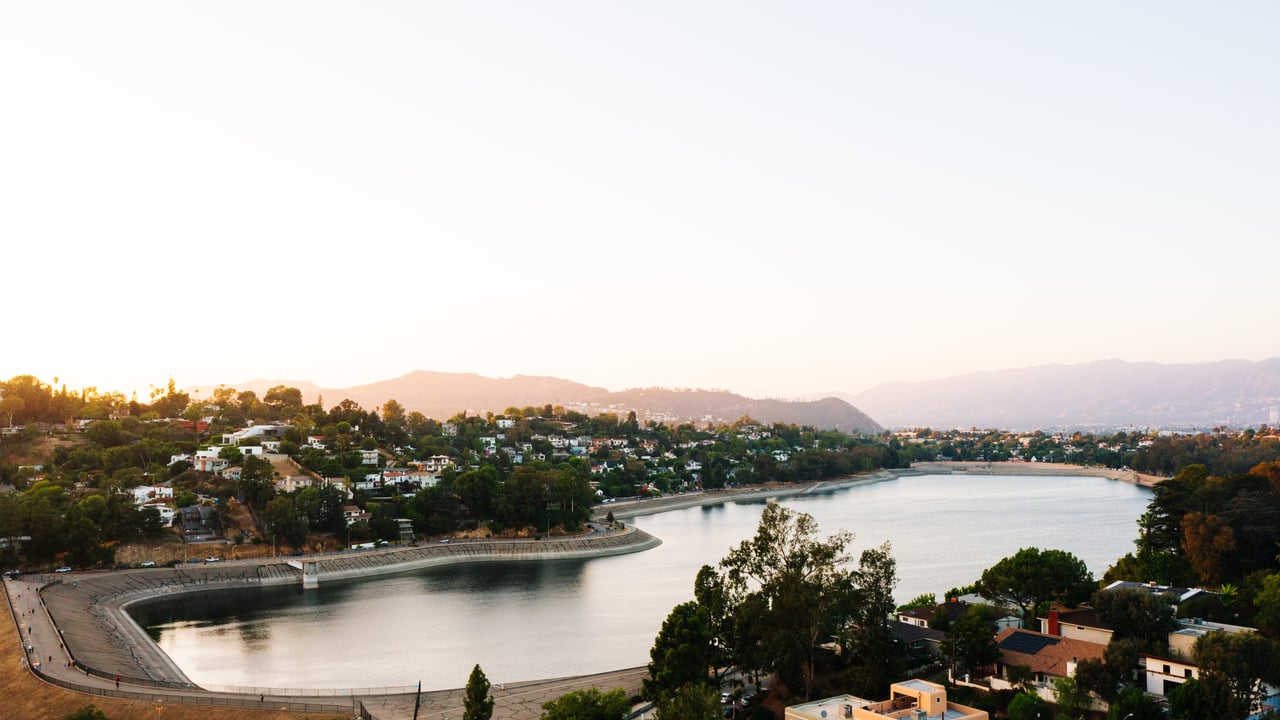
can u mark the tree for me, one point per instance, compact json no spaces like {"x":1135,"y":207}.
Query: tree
{"x":682,"y":654}
{"x":691,"y":702}
{"x":477,"y":704}
{"x":972,"y":637}
{"x":1190,"y":701}
{"x":1093,"y":675}
{"x":1209,"y":544}
{"x":806,"y":594}
{"x":1136,"y":614}
{"x":589,"y":704}
{"x":86,"y":712}
{"x":878,"y":658}
{"x":1133,"y":704}
{"x":1027,"y":706}
{"x":1032,"y":576}
{"x":1267,"y":601}
{"x":1231,"y":666}
{"x":1071,"y":700}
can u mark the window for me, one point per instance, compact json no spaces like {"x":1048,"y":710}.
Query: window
{"x":1166,"y":670}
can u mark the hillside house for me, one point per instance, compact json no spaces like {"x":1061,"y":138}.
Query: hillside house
{"x":144,"y":494}
{"x":293,"y":483}
{"x":166,"y":512}
{"x":213,"y":465}
{"x":353,"y":514}
{"x":924,"y":616}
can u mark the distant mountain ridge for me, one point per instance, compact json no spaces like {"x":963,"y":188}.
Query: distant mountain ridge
{"x":1102,"y":394}
{"x":442,"y":395}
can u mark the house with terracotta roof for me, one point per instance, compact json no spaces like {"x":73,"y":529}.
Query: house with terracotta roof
{"x":1048,"y":657}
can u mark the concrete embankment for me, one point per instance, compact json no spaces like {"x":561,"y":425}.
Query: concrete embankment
{"x":649,"y":506}
{"x":347,"y":567}
{"x":90,"y":610}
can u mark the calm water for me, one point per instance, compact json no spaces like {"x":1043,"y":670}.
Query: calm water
{"x":539,"y":620}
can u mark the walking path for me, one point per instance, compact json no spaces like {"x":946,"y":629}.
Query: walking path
{"x":48,"y":658}
{"x":96,"y":647}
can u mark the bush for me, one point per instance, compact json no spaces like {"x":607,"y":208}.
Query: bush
{"x":87,"y":712}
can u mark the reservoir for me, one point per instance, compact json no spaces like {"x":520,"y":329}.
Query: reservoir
{"x":527,"y":621}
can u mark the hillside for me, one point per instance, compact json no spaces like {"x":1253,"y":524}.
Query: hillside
{"x":1102,"y":394}
{"x":443,"y":395}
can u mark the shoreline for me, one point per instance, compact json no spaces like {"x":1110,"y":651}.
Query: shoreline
{"x":651,"y":506}
{"x":93,"y":606}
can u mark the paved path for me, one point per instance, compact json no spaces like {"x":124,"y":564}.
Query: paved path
{"x":514,"y":701}
{"x":51,"y":659}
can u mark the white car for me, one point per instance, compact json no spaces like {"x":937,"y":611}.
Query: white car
{"x":148,"y":563}
{"x":63,"y":569}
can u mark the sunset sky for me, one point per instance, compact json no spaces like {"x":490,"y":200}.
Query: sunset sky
{"x":772,"y":198}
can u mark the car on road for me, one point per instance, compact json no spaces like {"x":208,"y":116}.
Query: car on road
{"x":63,"y":569}
{"x":213,"y":559}
{"x":148,"y":563}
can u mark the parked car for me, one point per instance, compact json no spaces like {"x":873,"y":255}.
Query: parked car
{"x":63,"y":569}
{"x":148,"y":563}
{"x":212,"y":559}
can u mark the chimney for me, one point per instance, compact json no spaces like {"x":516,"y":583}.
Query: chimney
{"x":1053,"y":623}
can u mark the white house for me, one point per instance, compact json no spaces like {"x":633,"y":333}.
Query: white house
{"x":293,"y":483}
{"x":368,"y":457}
{"x":144,"y":494}
{"x":213,"y":465}
{"x":1164,"y":674}
{"x":166,"y":513}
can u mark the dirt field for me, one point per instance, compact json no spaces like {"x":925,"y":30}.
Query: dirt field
{"x":26,"y":698}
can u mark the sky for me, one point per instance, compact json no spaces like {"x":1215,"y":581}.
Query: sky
{"x":777,"y":199}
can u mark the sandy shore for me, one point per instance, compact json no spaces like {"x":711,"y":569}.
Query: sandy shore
{"x":1028,"y":468}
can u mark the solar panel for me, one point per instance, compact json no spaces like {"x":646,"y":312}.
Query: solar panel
{"x":1026,"y":643}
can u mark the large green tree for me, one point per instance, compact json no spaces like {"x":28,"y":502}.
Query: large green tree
{"x":477,"y":704}
{"x":972,"y":637}
{"x":1032,"y":576}
{"x":1232,"y":668}
{"x":683,"y":653}
{"x":805,"y":592}
{"x":1136,"y":614}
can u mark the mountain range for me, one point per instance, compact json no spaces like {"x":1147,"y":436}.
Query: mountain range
{"x":1107,"y":394}
{"x":442,"y":395}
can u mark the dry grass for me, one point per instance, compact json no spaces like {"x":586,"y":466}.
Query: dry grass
{"x":23,"y":697}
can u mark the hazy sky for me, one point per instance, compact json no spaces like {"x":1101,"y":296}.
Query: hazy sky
{"x":773,"y":198}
